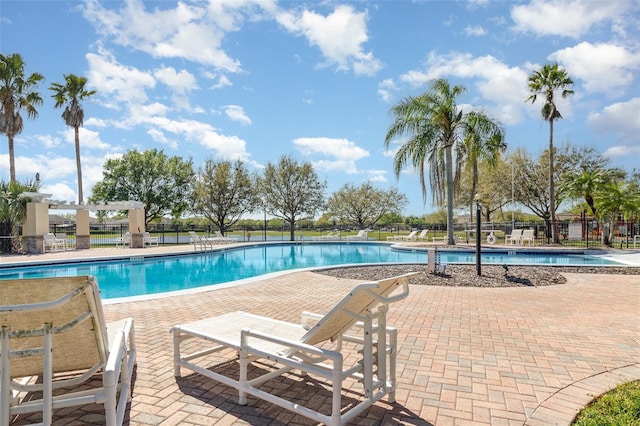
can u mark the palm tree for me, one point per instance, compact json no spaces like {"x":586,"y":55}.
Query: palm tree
{"x":617,"y":200}
{"x":584,"y":185}
{"x":484,"y":141}
{"x":545,"y":82}
{"x":73,"y":91}
{"x":16,"y":93}
{"x":435,"y":127}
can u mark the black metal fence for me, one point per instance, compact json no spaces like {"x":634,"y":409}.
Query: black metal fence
{"x":576,"y":233}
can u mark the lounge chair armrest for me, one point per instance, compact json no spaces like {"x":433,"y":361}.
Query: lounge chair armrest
{"x":308,"y":319}
{"x":246,"y":334}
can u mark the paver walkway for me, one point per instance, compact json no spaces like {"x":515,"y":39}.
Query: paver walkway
{"x":507,"y":356}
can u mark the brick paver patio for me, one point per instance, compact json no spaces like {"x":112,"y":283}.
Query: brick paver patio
{"x":494,"y":356}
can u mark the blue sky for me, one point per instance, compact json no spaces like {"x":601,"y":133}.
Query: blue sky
{"x":253,"y":80}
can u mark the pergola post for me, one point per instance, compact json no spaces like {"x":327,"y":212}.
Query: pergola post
{"x":36,"y":224}
{"x":136,"y":228}
{"x":83,"y":237}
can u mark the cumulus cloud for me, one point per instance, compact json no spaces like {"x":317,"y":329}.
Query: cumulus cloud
{"x":343,"y":153}
{"x":236,"y":113}
{"x":186,"y":31}
{"x":604,"y":67}
{"x":386,"y":88}
{"x":622,"y":119}
{"x":117,"y":83}
{"x":475,"y":30}
{"x":566,"y":18}
{"x":181,"y":82}
{"x":340,"y":36}
{"x":503,"y":86}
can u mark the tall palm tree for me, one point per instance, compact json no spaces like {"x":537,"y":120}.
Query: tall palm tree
{"x":435,"y":127}
{"x":484,"y":141}
{"x":16,"y":93}
{"x":545,"y":82}
{"x":73,"y":91}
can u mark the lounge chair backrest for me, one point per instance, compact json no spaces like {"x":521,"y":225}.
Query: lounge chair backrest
{"x":527,"y":234}
{"x":362,"y":298}
{"x":71,"y":305}
{"x":423,"y":234}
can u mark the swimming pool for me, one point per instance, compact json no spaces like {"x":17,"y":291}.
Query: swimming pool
{"x":136,"y":276}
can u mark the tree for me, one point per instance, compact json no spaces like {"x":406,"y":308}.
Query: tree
{"x":16,"y":93}
{"x":584,"y":185}
{"x":13,"y":210}
{"x":530,"y":182}
{"x":484,"y":141}
{"x":162,"y":183}
{"x":616,"y":200}
{"x":290,"y":190}
{"x":223,"y":192}
{"x":434,"y":126}
{"x":545,"y":82}
{"x":73,"y":92}
{"x":365,"y":205}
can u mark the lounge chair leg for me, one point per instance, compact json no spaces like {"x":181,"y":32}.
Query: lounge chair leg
{"x":176,"y":352}
{"x":244,"y":366}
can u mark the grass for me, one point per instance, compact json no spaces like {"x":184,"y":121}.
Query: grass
{"x":619,"y":407}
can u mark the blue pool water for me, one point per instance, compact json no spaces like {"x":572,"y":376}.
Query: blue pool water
{"x":138,"y":276}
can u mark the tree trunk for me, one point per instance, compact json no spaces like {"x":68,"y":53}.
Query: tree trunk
{"x":12,"y":159}
{"x":78,"y":166}
{"x":552,"y":186}
{"x":449,"y":171}
{"x":292,"y":230}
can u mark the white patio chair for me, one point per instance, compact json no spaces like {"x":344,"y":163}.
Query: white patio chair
{"x":53,"y":340}
{"x":53,"y":243}
{"x":514,"y":237}
{"x":124,"y":240}
{"x":359,"y":318}
{"x":149,"y":240}
{"x":528,"y":237}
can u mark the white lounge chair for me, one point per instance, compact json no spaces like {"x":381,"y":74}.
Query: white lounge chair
{"x":359,"y":318}
{"x":422,"y":236}
{"x":124,"y":240}
{"x":53,"y":243}
{"x":528,"y":237}
{"x":148,"y":240}
{"x":53,"y":340}
{"x":363,"y":235}
{"x":514,"y":237}
{"x":408,"y":237}
{"x":222,"y":239}
{"x":333,"y":235}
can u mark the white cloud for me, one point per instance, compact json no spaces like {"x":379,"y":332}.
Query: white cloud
{"x":603,"y":67}
{"x":89,"y":139}
{"x":117,"y":83}
{"x":504,"y":86}
{"x":340,"y":36}
{"x":181,"y":82}
{"x":566,"y":18}
{"x":386,"y":88}
{"x":344,"y":153}
{"x":622,"y":119}
{"x":186,"y":31}
{"x":377,"y":175}
{"x":475,"y":30}
{"x":223,"y":81}
{"x":236,"y":113}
